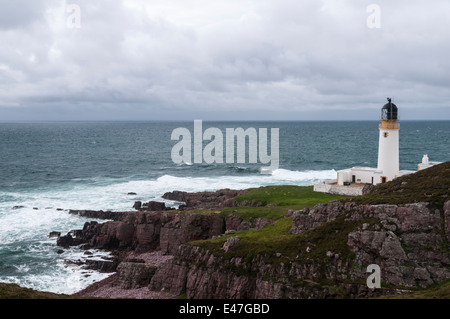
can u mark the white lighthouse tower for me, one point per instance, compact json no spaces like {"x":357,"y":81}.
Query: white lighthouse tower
{"x":388,"y":145}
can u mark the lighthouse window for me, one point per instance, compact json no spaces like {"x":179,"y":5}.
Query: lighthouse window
{"x":385,"y":134}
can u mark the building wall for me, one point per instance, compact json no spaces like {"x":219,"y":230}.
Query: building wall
{"x":338,"y":190}
{"x":363,"y":176}
{"x":344,"y":176}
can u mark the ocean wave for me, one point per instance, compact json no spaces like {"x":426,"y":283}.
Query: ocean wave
{"x":29,"y":226}
{"x":306,"y":176}
{"x":113,"y":195}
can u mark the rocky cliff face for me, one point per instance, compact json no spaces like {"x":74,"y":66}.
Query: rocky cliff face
{"x":336,"y":243}
{"x":205,"y":200}
{"x":146,"y":231}
{"x":409,"y":243}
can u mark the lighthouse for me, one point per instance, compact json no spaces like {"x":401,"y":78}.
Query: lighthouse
{"x":388,"y":144}
{"x":353,"y":181}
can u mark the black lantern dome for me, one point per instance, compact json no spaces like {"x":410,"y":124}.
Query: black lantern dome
{"x":389,"y":111}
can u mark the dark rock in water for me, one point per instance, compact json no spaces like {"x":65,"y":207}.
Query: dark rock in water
{"x":100,"y":214}
{"x":131,"y":193}
{"x":60,"y":251}
{"x":54,"y":234}
{"x":176,"y":196}
{"x":102,"y":265}
{"x":137,"y":205}
{"x":65,"y":241}
{"x":35,"y":208}
{"x":154,"y":206}
{"x":73,"y":238}
{"x":59,"y":209}
{"x":18,"y":207}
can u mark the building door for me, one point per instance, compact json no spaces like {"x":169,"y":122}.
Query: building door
{"x":383,"y":179}
{"x":353,"y":178}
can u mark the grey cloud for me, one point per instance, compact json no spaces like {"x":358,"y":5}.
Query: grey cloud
{"x":287,"y":58}
{"x":19,"y":13}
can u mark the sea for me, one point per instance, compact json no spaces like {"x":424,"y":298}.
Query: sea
{"x":48,"y":168}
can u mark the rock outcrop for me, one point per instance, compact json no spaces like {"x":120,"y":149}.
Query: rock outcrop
{"x":135,"y":274}
{"x":98,"y":214}
{"x":408,"y":242}
{"x":145,"y":231}
{"x":334,"y":244}
{"x":205,"y":200}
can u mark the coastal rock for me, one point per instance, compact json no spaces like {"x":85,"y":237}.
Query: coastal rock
{"x":406,"y":241}
{"x":409,"y":242}
{"x":308,"y":218}
{"x":65,"y":241}
{"x":145,"y":231}
{"x":230,"y":243}
{"x":154,"y":206}
{"x":201,"y":275}
{"x":233,"y":222}
{"x":447,"y":219}
{"x":182,"y":228}
{"x":98,"y":214}
{"x":137,"y":205}
{"x":176,"y":196}
{"x":102,"y":265}
{"x":132,"y":274}
{"x":205,"y":200}
{"x":54,"y":234}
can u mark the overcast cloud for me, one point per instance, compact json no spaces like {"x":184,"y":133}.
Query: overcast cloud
{"x":223,"y":59}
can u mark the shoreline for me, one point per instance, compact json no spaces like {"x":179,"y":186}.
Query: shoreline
{"x":108,"y":287}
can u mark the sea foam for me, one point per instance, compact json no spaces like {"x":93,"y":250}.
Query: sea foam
{"x":24,"y":231}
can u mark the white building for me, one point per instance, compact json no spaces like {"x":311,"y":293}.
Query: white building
{"x":426,"y":163}
{"x":351,"y":181}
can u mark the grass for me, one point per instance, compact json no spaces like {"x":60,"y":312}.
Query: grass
{"x":275,"y":201}
{"x":13,"y":291}
{"x":274,"y":239}
{"x":440,"y":291}
{"x":429,"y":185}
{"x":276,"y":245}
{"x":286,"y":196}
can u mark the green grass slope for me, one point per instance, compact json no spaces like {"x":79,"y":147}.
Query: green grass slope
{"x":429,"y":185}
{"x":276,"y":244}
{"x":13,"y":291}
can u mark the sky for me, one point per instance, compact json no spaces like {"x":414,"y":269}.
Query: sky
{"x":223,"y":59}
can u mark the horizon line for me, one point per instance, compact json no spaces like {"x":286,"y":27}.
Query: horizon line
{"x":208,"y":120}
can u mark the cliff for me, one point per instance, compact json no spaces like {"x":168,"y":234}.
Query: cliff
{"x":324,"y":254}
{"x":286,"y":241}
